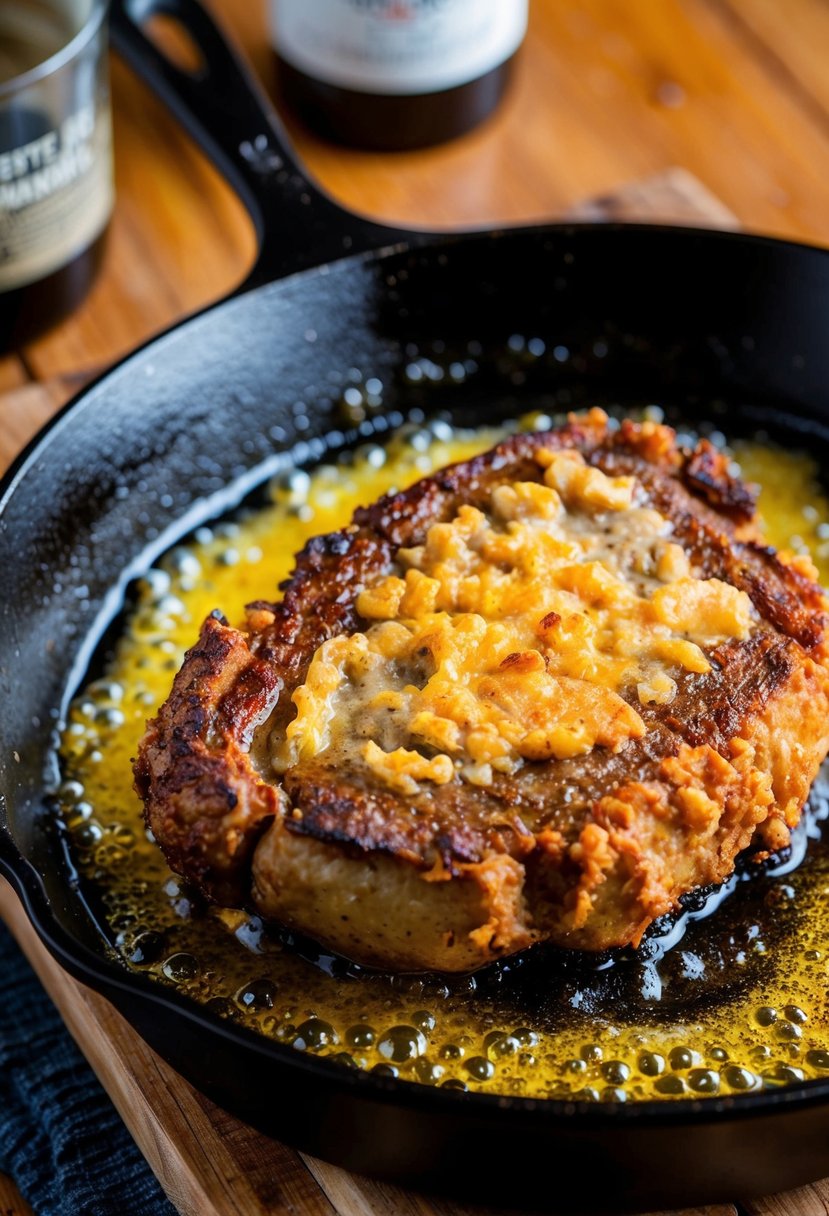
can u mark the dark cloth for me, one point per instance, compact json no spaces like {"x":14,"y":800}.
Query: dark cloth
{"x":61,"y":1139}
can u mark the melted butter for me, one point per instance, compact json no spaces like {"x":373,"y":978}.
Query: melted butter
{"x":793,"y":505}
{"x":740,"y":1002}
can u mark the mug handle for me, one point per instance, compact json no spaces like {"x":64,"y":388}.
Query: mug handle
{"x":226,"y":112}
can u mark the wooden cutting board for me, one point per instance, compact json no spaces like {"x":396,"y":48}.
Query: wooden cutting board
{"x":209,"y":1163}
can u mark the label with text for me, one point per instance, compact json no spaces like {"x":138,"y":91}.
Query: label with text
{"x":56,"y":196}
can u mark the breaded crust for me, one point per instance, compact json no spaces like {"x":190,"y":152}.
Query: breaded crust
{"x":584,"y":852}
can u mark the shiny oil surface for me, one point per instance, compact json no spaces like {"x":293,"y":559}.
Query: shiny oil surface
{"x":729,"y":997}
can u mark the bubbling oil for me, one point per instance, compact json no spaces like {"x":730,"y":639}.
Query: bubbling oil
{"x":728,"y":1003}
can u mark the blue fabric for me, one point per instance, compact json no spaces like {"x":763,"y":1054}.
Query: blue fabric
{"x":61,"y":1139}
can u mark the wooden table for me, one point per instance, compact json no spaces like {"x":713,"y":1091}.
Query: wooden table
{"x":609,"y":91}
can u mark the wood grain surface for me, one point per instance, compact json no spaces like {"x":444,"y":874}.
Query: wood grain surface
{"x":11,"y":1203}
{"x":609,"y":92}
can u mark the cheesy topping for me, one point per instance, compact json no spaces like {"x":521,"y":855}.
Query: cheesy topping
{"x":511,"y":632}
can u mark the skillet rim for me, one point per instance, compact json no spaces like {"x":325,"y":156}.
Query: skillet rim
{"x":105,"y":976}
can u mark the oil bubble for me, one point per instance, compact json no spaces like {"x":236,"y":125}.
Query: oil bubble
{"x":739,"y":1078}
{"x":402,"y":1043}
{"x":525,"y":1036}
{"x":651,"y":1064}
{"x":427,"y":1072}
{"x":480,"y":1069}
{"x":259,"y":994}
{"x":360,"y":1036}
{"x":314,"y":1034}
{"x":497,"y":1045}
{"x":89,"y":833}
{"x":616,"y":1072}
{"x":704,"y":1080}
{"x":451,"y":1051}
{"x":180,"y":967}
{"x":681,"y":1058}
{"x":818,"y":1058}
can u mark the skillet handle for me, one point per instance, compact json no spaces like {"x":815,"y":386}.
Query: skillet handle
{"x":225,"y":111}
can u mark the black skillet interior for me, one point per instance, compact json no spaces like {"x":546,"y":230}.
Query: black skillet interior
{"x":711,"y":325}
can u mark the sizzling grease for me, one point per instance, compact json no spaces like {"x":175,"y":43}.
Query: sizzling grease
{"x":739,"y":1003}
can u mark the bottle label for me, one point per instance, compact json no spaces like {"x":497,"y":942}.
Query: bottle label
{"x":56,"y":192}
{"x":397,"y":46}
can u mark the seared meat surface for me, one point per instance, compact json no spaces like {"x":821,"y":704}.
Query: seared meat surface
{"x":537,"y":696}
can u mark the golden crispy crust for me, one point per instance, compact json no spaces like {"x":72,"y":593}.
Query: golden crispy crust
{"x":379,"y":909}
{"x":584,"y":852}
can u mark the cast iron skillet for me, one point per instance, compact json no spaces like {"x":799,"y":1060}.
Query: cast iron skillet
{"x":707,"y":322}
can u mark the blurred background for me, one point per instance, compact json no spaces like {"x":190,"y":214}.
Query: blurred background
{"x":605,"y":93}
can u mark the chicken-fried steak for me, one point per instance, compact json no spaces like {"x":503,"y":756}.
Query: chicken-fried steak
{"x":537,"y":696}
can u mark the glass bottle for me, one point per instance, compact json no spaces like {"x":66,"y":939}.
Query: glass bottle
{"x":56,"y":185}
{"x":395,"y":74}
